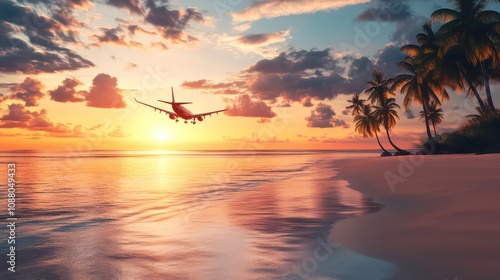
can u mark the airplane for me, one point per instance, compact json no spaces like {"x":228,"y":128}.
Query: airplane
{"x":180,"y":111}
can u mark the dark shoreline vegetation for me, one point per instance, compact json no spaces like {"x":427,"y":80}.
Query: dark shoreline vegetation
{"x":463,"y":55}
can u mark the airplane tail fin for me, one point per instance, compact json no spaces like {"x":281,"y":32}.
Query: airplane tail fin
{"x":173,"y":99}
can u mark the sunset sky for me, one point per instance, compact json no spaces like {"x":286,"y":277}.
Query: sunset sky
{"x":69,"y":72}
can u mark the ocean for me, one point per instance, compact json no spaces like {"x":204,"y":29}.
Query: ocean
{"x":180,"y":215}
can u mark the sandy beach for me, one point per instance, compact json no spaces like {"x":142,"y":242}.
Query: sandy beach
{"x":439,"y":219}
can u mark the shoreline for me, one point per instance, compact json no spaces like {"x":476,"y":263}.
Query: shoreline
{"x":439,"y":215}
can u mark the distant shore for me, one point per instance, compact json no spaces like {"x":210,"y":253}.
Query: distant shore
{"x":440,"y":214}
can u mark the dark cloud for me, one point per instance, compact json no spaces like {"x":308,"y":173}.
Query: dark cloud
{"x":407,"y":30}
{"x":296,"y":76}
{"x":263,"y":38}
{"x":324,"y":116}
{"x":67,"y":92}
{"x":409,"y":114}
{"x":105,"y":93}
{"x":111,"y":35}
{"x":42,"y":52}
{"x":171,"y":23}
{"x":306,"y":102}
{"x":387,"y":59}
{"x":29,"y":91}
{"x":244,"y":106}
{"x":296,"y":61}
{"x":133,"y":6}
{"x":386,"y":11}
{"x":133,"y":28}
{"x":114,"y":36}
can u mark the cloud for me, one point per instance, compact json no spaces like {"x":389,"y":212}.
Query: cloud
{"x":409,"y":114}
{"x":386,"y":11}
{"x":114,"y":36}
{"x":171,"y":23}
{"x":19,"y":117}
{"x":242,"y":27}
{"x":264,"y":120}
{"x":306,"y":102}
{"x":218,"y":88}
{"x":244,"y":106}
{"x":387,"y":59}
{"x":131,"y":66}
{"x":407,"y":30}
{"x":67,"y":92}
{"x":296,"y":61}
{"x":131,"y":5}
{"x":104,"y":93}
{"x":263,"y":38}
{"x":41,"y":52}
{"x":263,"y":44}
{"x":29,"y":91}
{"x":297,"y":76}
{"x":324,"y":116}
{"x":276,"y":8}
{"x":117,"y":132}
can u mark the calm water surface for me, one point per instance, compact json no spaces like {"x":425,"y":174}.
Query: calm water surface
{"x":163,"y":215}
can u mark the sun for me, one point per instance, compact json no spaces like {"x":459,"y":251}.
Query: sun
{"x":161,"y":136}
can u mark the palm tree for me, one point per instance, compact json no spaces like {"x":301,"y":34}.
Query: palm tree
{"x":357,"y":104}
{"x":455,"y":70}
{"x":386,"y":113}
{"x":475,"y":30}
{"x":422,"y":83}
{"x":378,"y":87}
{"x":414,"y":89}
{"x":366,"y":124}
{"x":435,"y":115}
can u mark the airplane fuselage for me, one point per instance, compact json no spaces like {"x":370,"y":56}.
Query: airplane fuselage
{"x":182,"y":112}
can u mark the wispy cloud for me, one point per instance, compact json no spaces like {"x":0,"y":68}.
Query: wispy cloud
{"x":276,"y":8}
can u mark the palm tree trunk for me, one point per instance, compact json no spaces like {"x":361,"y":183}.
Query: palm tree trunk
{"x":484,"y":71}
{"x":426,"y":117}
{"x":382,"y":147}
{"x":476,"y":94}
{"x":390,"y":141}
{"x":435,"y":133}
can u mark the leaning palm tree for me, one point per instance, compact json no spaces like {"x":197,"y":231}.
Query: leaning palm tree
{"x":475,"y":29}
{"x":421,"y":84}
{"x":459,"y":75}
{"x":435,"y":115}
{"x":386,"y":113}
{"x":415,"y":89}
{"x":357,"y":104}
{"x":378,"y":87}
{"x":367,"y":125}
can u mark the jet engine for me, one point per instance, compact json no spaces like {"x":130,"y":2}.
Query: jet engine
{"x":172,"y":117}
{"x":200,"y":118}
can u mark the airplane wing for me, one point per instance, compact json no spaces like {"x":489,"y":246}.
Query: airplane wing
{"x":207,"y":114}
{"x":156,"y":108}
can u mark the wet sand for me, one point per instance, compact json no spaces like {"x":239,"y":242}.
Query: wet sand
{"x":440,"y":218}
